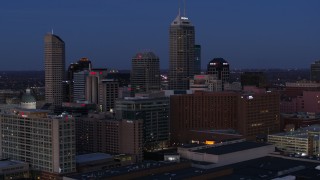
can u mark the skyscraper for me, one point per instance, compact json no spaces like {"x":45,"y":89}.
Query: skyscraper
{"x":182,"y":58}
{"x":315,"y":71}
{"x":145,"y":72}
{"x":220,"y":68}
{"x":54,"y":57}
{"x":81,"y":65}
{"x":197,"y":59}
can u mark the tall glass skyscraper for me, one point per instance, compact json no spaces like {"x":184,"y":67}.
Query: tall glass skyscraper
{"x":145,"y":72}
{"x":182,"y":58}
{"x":197,"y":59}
{"x":54,"y":57}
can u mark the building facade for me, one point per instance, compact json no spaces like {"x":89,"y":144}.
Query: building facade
{"x":315,"y":71}
{"x":220,"y":68}
{"x":154,"y":111}
{"x":304,"y":141}
{"x":145,"y":72}
{"x":102,"y":133}
{"x":207,"y":82}
{"x":54,"y":57}
{"x":47,"y":143}
{"x":81,"y":65}
{"x":197,"y":59}
{"x":110,"y":92}
{"x":249,"y":115}
{"x":182,"y":53}
{"x":79,"y":85}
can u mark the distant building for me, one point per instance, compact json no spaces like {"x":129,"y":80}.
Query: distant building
{"x":94,"y":89}
{"x":4,"y":94}
{"x":220,"y":68}
{"x":197,"y":59}
{"x":109,"y":94}
{"x":293,"y":121}
{"x":315,"y":71}
{"x":309,"y":101}
{"x":54,"y":57}
{"x":257,"y":79}
{"x":207,"y":82}
{"x":182,"y":53}
{"x":79,"y":85}
{"x":293,"y":90}
{"x":81,"y":65}
{"x":234,"y":86}
{"x":145,"y":72}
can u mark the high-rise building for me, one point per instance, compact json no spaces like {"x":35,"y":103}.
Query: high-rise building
{"x":182,"y":53}
{"x":197,"y":59}
{"x":79,"y":85}
{"x":102,"y":133}
{"x":47,"y":143}
{"x":54,"y":57}
{"x":145,"y":72}
{"x":315,"y":71}
{"x":94,"y":85}
{"x":220,"y":68}
{"x":82,"y":65}
{"x":154,"y":111}
{"x":109,"y":93}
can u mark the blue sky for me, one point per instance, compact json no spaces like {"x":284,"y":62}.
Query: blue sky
{"x":247,"y":33}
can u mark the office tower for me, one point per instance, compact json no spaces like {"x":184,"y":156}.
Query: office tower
{"x":79,"y":85}
{"x":54,"y":57}
{"x":154,"y":111}
{"x":145,"y":72}
{"x":197,"y":59}
{"x":109,"y":93}
{"x":94,"y":85}
{"x":315,"y":71}
{"x":81,"y":65}
{"x":46,"y":143}
{"x":102,"y":133}
{"x":220,"y":68}
{"x":182,"y":53}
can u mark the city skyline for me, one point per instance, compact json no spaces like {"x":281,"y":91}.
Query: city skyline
{"x":247,"y":34}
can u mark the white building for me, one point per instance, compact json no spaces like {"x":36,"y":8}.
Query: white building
{"x":304,"y":141}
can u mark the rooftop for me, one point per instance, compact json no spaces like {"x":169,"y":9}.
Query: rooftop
{"x":7,"y":163}
{"x":92,"y":157}
{"x":230,"y":148}
{"x":302,"y":132}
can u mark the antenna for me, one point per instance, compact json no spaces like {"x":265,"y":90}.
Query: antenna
{"x":184,"y":8}
{"x":52,"y":31}
{"x":179,"y":7}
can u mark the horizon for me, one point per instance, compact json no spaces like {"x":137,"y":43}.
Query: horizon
{"x":248,"y":34}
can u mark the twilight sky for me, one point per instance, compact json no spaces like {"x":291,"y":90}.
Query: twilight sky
{"x":247,"y":33}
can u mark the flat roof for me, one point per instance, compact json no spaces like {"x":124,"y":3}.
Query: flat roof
{"x":121,"y":170}
{"x":8,"y":163}
{"x":230,"y":148}
{"x":92,"y":157}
